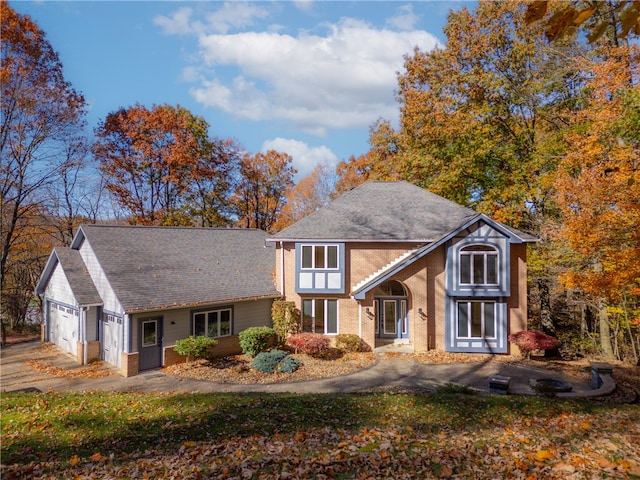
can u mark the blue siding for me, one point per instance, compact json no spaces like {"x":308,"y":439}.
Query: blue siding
{"x":476,"y":345}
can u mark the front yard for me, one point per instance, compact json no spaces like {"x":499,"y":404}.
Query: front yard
{"x":193,"y":436}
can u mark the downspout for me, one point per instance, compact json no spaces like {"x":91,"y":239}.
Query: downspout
{"x":359,"y":319}
{"x":84,"y":335}
{"x":282,"y":270}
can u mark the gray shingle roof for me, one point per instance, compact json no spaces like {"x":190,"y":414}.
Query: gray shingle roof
{"x":153,"y":268}
{"x":385,"y":211}
{"x":381,"y":211}
{"x":78,"y":276}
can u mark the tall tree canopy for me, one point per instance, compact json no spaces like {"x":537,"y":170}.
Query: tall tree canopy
{"x":522,"y":129}
{"x":162,"y":167}
{"x":41,"y":114}
{"x":308,"y":195}
{"x":265,"y":180}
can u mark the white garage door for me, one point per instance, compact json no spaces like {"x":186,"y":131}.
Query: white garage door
{"x":112,"y":332}
{"x":63,"y":327}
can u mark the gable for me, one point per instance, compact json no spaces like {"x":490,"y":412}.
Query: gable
{"x":68,"y":279}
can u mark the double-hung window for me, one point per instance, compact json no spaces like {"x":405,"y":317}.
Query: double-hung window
{"x":478,"y":265}
{"x":320,"y":316}
{"x":213,"y":323}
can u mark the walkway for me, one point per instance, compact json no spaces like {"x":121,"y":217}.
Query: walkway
{"x":397,"y":373}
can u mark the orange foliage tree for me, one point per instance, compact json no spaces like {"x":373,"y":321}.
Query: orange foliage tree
{"x":308,"y":195}
{"x":598,"y":186}
{"x":161,"y":166}
{"x":40,"y":114}
{"x":264,"y":182}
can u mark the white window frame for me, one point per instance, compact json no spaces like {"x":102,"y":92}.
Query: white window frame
{"x":325,"y":319}
{"x":483,"y":252}
{"x":325,"y":248}
{"x":207,"y":314}
{"x":154,"y":321}
{"x":483,"y":328}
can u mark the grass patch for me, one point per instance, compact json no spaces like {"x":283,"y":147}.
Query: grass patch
{"x":67,"y":431}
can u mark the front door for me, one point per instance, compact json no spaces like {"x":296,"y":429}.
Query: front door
{"x":150,"y":343}
{"x":392,"y":317}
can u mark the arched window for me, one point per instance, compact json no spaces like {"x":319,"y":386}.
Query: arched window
{"x":478,"y":265}
{"x":391,"y":288}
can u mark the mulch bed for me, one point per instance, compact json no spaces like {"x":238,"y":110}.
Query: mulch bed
{"x":237,"y":369}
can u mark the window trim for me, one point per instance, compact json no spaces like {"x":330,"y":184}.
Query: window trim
{"x":314,"y":247}
{"x":483,"y":328}
{"x":206,"y":313}
{"x":484,"y":252}
{"x":325,"y":319}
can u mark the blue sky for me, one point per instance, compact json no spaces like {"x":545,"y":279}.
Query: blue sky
{"x":303,"y":77}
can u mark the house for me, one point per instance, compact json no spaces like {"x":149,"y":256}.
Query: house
{"x":387,"y":261}
{"x":392,"y":262}
{"x":125,"y":294}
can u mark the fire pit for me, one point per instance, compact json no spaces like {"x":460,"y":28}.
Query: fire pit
{"x":550,"y":385}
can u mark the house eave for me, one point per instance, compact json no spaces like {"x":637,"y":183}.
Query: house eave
{"x":351,"y":240}
{"x":174,"y":306}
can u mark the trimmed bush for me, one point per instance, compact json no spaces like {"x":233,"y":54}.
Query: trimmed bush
{"x":284,"y":316}
{"x":195,"y":347}
{"x":529,"y":340}
{"x":349,"y":342}
{"x":289,"y":365}
{"x":267,"y":362}
{"x":254,"y":340}
{"x":309,"y":343}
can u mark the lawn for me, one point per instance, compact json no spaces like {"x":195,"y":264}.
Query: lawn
{"x":446,"y":434}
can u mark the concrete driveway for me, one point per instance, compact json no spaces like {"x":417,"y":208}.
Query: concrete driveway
{"x":397,"y":373}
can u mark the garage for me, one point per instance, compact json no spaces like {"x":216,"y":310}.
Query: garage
{"x":63,"y":327}
{"x":112,"y":334}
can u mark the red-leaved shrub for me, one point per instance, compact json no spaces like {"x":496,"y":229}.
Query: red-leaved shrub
{"x":528,"y":340}
{"x":309,"y":343}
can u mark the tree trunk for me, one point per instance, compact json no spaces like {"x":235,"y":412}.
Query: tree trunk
{"x":546,"y":319}
{"x":605,"y":332}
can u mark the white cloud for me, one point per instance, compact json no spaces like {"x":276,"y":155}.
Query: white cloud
{"x":405,"y":19}
{"x":305,"y":158}
{"x":231,"y":15}
{"x":343,"y":78}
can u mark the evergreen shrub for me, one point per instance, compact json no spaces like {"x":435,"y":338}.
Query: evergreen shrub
{"x":267,"y":362}
{"x":289,"y":365}
{"x":254,"y":340}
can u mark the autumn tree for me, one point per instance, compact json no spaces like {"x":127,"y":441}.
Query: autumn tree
{"x":162,"y":167}
{"x":310,"y":193}
{"x":598,"y":188}
{"x":41,"y":112}
{"x":565,"y":18}
{"x":264,"y":181}
{"x":481,"y":122}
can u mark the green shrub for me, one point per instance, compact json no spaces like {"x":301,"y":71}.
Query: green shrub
{"x":289,"y":365}
{"x":254,"y":340}
{"x":285,"y":319}
{"x":195,"y":347}
{"x":349,"y":342}
{"x":267,"y":362}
